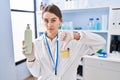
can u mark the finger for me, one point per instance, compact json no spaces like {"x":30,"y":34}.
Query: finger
{"x":61,"y":36}
{"x":32,"y":47}
{"x":62,"y":33}
{"x":65,"y":36}
{"x":23,"y":51}
{"x":32,"y":44}
{"x":64,"y":45}
{"x":23,"y":42}
{"x":23,"y":47}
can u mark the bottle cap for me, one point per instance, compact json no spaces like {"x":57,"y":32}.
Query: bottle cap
{"x":91,"y":19}
{"x":97,"y":18}
{"x":28,"y":26}
{"x":99,"y":51}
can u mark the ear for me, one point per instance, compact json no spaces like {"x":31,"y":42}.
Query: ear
{"x":60,"y":23}
{"x":59,"y":27}
{"x":61,"y":20}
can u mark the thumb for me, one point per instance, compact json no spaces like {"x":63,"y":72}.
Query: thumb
{"x":65,"y":44}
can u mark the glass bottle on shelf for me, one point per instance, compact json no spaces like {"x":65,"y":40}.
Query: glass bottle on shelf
{"x":91,"y":24}
{"x":97,"y":24}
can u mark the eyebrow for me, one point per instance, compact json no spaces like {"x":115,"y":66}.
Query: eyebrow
{"x":54,"y":18}
{"x":51,"y":18}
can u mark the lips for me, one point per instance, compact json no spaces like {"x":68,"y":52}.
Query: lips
{"x":50,"y":29}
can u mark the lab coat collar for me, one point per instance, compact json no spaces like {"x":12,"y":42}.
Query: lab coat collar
{"x":52,"y":41}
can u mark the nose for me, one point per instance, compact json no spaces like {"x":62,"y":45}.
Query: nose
{"x":49,"y":24}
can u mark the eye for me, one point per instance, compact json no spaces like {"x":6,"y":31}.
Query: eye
{"x":45,"y":20}
{"x":54,"y":20}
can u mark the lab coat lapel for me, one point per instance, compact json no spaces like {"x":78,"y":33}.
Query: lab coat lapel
{"x":46,"y":57}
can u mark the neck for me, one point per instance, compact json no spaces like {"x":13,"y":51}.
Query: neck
{"x":51,"y":36}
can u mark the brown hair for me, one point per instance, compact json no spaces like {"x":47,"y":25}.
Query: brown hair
{"x":53,"y":9}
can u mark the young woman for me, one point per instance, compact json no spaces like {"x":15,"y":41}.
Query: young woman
{"x":56,"y":55}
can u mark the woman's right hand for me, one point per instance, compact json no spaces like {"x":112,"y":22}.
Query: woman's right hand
{"x":30,"y":56}
{"x":65,"y":36}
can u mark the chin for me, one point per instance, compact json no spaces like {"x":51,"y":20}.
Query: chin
{"x":51,"y":32}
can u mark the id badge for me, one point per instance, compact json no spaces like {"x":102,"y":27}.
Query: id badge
{"x":65,"y":53}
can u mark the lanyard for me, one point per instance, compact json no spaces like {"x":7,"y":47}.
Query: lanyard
{"x":55,"y":63}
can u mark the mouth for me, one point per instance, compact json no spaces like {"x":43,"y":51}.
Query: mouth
{"x":50,"y":29}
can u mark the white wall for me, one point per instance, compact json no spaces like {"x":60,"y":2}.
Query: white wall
{"x":7,"y":66}
{"x":8,"y":70}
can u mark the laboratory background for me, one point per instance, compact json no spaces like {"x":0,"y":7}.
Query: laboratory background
{"x":98,"y":16}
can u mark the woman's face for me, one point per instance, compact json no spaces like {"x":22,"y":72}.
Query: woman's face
{"x":52,"y":22}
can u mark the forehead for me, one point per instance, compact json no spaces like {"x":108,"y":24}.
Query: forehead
{"x":49,"y":15}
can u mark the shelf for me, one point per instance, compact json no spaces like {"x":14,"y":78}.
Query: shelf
{"x":86,"y":10}
{"x":95,"y":31}
{"x":110,"y":57}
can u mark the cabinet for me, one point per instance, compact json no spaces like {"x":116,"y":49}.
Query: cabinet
{"x":114,"y":28}
{"x":96,"y":68}
{"x":80,"y":17}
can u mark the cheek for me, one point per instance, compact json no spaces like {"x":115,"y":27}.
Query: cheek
{"x":45,"y":25}
{"x":57,"y":26}
{"x":59,"y":23}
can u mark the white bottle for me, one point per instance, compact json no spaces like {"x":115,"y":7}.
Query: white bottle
{"x":28,"y":39}
{"x":104,"y":22}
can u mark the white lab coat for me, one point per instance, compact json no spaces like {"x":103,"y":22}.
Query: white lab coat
{"x":67,"y":67}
